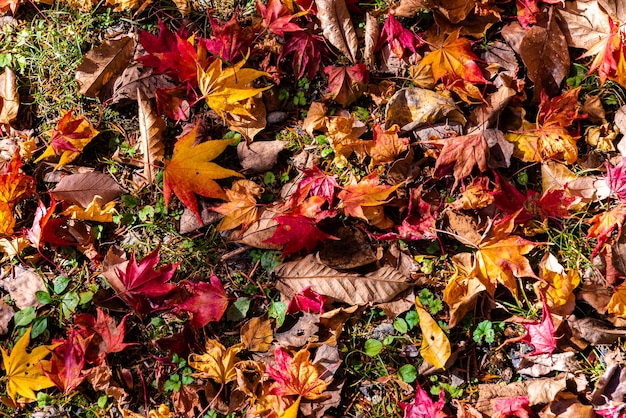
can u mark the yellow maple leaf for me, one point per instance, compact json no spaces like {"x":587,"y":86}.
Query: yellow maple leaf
{"x":217,"y":363}
{"x":241,"y":207}
{"x":24,"y":371}
{"x":163,"y":411}
{"x":435,"y":347}
{"x":69,"y":138}
{"x":462,"y":290}
{"x":617,"y":304}
{"x":93,"y":212}
{"x":225,"y":88}
{"x":190,"y":171}
{"x":500,"y":257}
{"x":557,"y":284}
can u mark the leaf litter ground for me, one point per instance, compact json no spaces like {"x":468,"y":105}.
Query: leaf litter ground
{"x":313,"y":208}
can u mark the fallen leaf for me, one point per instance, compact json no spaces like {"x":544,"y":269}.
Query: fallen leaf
{"x":423,"y":406}
{"x":539,"y":334}
{"x":566,"y":405}
{"x":306,"y":300}
{"x":251,"y":123}
{"x":6,"y":315}
{"x":296,"y":375}
{"x":257,"y":335}
{"x":346,"y":84}
{"x":241,"y":207}
{"x":463,"y":153}
{"x":617,"y":304}
{"x":337,"y":27}
{"x":259,"y":156}
{"x":67,"y":362}
{"x":102,"y":334}
{"x":365,"y":193}
{"x":603,"y":224}
{"x":297,"y":232}
{"x":15,"y":186}
{"x":217,"y":362}
{"x":378,"y":286}
{"x":24,"y":372}
{"x":228,"y":39}
{"x":85,"y":188}
{"x":277,"y":17}
{"x":103,"y":63}
{"x":225,"y":88}
{"x":513,"y":406}
{"x":435,"y":347}
{"x":151,"y":128}
{"x":190,"y":171}
{"x":462,"y":290}
{"x":68,"y":139}
{"x":23,"y":285}
{"x":9,"y":97}
{"x":207,"y":301}
{"x":398,"y":37}
{"x":546,"y":364}
{"x":413,"y":107}
{"x":93,"y":211}
{"x":558,"y":285}
{"x":386,"y":146}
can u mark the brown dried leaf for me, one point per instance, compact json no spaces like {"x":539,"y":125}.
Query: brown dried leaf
{"x":544,"y":52}
{"x":337,"y":27}
{"x":137,"y":77}
{"x":257,"y":233}
{"x":539,"y":391}
{"x":372,"y":32}
{"x":566,"y":405}
{"x":378,"y":286}
{"x":103,"y":63}
{"x":260,"y":156}
{"x":82,"y":188}
{"x":413,"y":107}
{"x":6,"y":314}
{"x":251,"y":124}
{"x":584,"y":23}
{"x":9,"y":98}
{"x":22,"y":287}
{"x":151,"y":127}
{"x":256,"y":334}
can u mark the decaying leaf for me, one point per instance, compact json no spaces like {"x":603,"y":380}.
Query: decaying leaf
{"x":9,"y":98}
{"x":381,"y":285}
{"x":257,"y":335}
{"x":83,"y":189}
{"x":103,"y":63}
{"x":337,"y":27}
{"x":413,"y":107}
{"x":151,"y":128}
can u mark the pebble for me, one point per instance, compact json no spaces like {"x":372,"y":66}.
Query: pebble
{"x":276,"y":117}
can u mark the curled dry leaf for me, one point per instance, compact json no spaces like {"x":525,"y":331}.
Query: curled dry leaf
{"x":260,"y":156}
{"x":337,"y":27}
{"x":83,"y":189}
{"x":104,"y":63}
{"x":413,"y":107}
{"x":378,"y":286}
{"x":151,"y":128}
{"x":6,"y":314}
{"x":9,"y":98}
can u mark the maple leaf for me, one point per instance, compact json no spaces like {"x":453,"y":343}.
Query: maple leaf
{"x":435,"y":347}
{"x":93,"y":211}
{"x":69,"y":138}
{"x":605,"y":52}
{"x":15,"y":186}
{"x":6,"y":5}
{"x":617,"y":304}
{"x":190,"y":171}
{"x":298,"y":230}
{"x":365,"y":193}
{"x":603,"y":224}
{"x":539,"y":334}
{"x":174,"y":102}
{"x":463,"y":153}
{"x":296,"y":375}
{"x":453,"y":60}
{"x":277,"y":18}
{"x":308,"y":50}
{"x":316,"y":183}
{"x":217,"y":362}
{"x":462,"y":290}
{"x":207,"y":302}
{"x":557,"y":284}
{"x":549,"y":137}
{"x":500,"y":256}
{"x":306,"y":300}
{"x":514,"y":406}
{"x":616,"y":179}
{"x":386,"y":146}
{"x":224,"y":88}
{"x":173,"y":54}
{"x":419,"y":223}
{"x":139,"y":285}
{"x":527,"y":11}
{"x":398,"y":37}
{"x":24,"y":372}
{"x":343,"y":134}
{"x":228,"y":40}
{"x":241,"y":207}
{"x":67,"y":362}
{"x":423,"y":406}
{"x":346,"y":84}
{"x":46,"y":230}
{"x":102,"y":334}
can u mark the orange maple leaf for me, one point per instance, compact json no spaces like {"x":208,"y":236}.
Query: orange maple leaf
{"x":453,"y":60}
{"x":296,"y":376}
{"x":69,"y":138}
{"x":386,"y":145}
{"x":604,"y":52}
{"x":241,"y":208}
{"x":617,"y":304}
{"x":15,"y":186}
{"x":190,"y":171}
{"x":365,"y":193}
{"x":500,"y":256}
{"x":463,"y":152}
{"x":603,"y":224}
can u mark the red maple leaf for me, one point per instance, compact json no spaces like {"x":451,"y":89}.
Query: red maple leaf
{"x":514,"y":406}
{"x":48,"y":230}
{"x":307,"y":50}
{"x":616,"y":179}
{"x":228,"y":39}
{"x":527,"y":11}
{"x":104,"y":336}
{"x":316,"y":183}
{"x":173,"y":54}
{"x":539,"y":334}
{"x":419,"y":223}
{"x":508,"y":199}
{"x":277,"y":17}
{"x":306,"y":300}
{"x":67,"y":362}
{"x":423,"y":406}
{"x":297,"y":232}
{"x":603,"y":224}
{"x":175,"y":102}
{"x":398,"y":37}
{"x":207,"y":301}
{"x":140,"y":285}
{"x":345,"y":84}
{"x":555,"y":203}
